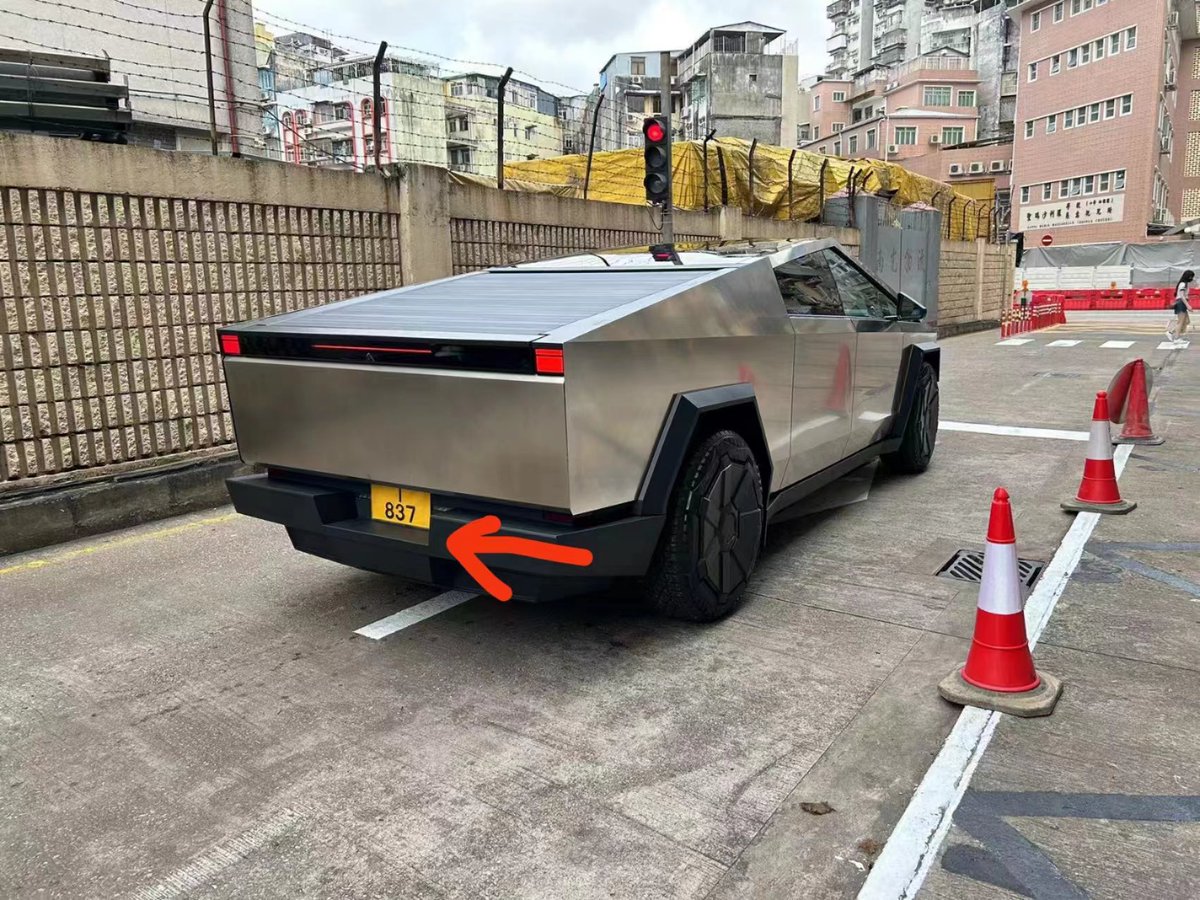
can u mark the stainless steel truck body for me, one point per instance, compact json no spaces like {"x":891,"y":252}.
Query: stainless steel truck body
{"x":567,"y":397}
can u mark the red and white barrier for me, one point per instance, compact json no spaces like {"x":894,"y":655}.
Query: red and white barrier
{"x":1098,"y":490}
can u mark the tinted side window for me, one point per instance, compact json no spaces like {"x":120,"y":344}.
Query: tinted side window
{"x":860,"y":296}
{"x":807,"y":287}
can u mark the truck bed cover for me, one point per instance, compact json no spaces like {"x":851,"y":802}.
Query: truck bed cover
{"x":511,"y":304}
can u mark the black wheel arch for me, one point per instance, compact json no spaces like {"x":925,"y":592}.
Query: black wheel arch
{"x":691,"y":417}
{"x":913,"y":358}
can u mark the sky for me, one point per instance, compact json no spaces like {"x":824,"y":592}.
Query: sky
{"x":563,"y":41}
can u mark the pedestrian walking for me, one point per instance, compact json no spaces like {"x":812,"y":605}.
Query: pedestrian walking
{"x":1182,"y":308}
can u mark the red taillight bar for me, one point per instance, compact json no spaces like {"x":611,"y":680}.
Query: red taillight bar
{"x":420,"y":351}
{"x":230,"y":345}
{"x":548,"y":361}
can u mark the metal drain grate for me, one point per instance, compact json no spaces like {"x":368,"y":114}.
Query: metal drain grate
{"x":967,"y":565}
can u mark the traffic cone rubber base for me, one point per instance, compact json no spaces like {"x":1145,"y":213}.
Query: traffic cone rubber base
{"x":1038,"y":702}
{"x":1153,"y":439}
{"x":1120,"y":508}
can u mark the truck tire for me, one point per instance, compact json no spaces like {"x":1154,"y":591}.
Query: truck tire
{"x":712,"y":535}
{"x":920,"y":431}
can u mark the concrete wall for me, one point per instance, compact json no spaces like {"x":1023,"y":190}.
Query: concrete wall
{"x":974,"y":284}
{"x":117,"y":264}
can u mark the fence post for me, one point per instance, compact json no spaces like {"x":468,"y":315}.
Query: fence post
{"x":208,"y":65}
{"x":791,"y":195}
{"x":500,"y":127}
{"x":376,"y":99}
{"x":950,"y":217}
{"x":587,"y":178}
{"x":426,"y":248}
{"x":704,"y":145}
{"x":821,"y":192}
{"x":750,"y":166}
{"x":724,"y":182}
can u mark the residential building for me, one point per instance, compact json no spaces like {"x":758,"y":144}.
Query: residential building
{"x":161,"y":57}
{"x":532,"y":128}
{"x":740,"y":80}
{"x":631,"y":87}
{"x":1096,"y":157}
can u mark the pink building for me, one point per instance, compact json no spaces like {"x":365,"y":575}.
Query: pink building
{"x":1094,"y":152}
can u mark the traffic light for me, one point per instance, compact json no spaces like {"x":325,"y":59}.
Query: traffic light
{"x":657,"y":132}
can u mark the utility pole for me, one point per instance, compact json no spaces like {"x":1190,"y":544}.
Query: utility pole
{"x":208,"y":64}
{"x":376,"y":100}
{"x":664,"y":73}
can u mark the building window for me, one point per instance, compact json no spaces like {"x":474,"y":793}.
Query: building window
{"x":1085,"y":54}
{"x":803,"y":133}
{"x":906,"y":136}
{"x":1098,"y":50}
{"x":852,"y":144}
{"x":816,"y":102}
{"x":1105,"y":182}
{"x":1047,"y":190}
{"x":1119,"y":180}
{"x":1081,"y":117}
{"x":1094,"y":112}
{"x":1114,"y":44}
{"x":460,"y":156}
{"x":838,"y":126}
{"x":1110,"y":108}
{"x":1130,"y":38}
{"x":1072,"y":57}
{"x":1068,"y":119}
{"x":952,"y":136}
{"x":871,"y":137}
{"x":1029,"y":128}
{"x":530,"y":130}
{"x":1033,"y":71}
{"x":1089,"y":185}
{"x":966,"y":98}
{"x":839,"y":96}
{"x":1062,"y":189}
{"x":637,"y":66}
{"x":1126,"y":104}
{"x":1035,"y":21}
{"x":837,"y":148}
{"x":1087,"y":4}
{"x":1058,"y":11}
{"x":937,"y":95}
{"x":754,"y":78}
{"x":1051,"y":124}
{"x":1025,"y":195}
{"x":1056,"y":64}
{"x":1076,"y":7}
{"x":817,"y":134}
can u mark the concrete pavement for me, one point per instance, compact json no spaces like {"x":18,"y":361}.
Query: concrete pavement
{"x":187,"y":709}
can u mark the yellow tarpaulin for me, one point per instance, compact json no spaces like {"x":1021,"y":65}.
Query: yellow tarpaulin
{"x":617,"y":178}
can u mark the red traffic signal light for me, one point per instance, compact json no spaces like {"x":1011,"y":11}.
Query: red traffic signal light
{"x":657,"y":152}
{"x":655,"y":132}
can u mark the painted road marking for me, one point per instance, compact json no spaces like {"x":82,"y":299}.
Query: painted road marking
{"x":1014,"y":342}
{"x":220,"y":857}
{"x":1174,"y":345}
{"x":1064,"y":343}
{"x":1015,"y":431}
{"x":119,"y":542}
{"x":377,"y":631}
{"x":1116,"y":345}
{"x":913,"y":846}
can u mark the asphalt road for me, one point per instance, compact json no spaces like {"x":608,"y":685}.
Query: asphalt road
{"x":187,"y":709}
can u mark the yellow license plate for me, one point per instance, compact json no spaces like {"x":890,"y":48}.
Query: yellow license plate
{"x":400,"y":506}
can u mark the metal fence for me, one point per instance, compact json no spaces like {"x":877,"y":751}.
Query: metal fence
{"x":110,"y":304}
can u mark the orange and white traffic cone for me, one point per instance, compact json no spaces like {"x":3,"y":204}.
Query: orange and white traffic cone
{"x":1137,"y":428}
{"x":1098,"y":491}
{"x":999,"y":672}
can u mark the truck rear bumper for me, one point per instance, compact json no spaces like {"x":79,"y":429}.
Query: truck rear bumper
{"x":332,"y":521}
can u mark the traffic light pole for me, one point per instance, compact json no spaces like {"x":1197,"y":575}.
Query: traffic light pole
{"x":664,"y":79}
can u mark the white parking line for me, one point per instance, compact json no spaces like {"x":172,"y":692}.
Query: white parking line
{"x":1116,"y":345}
{"x":1014,"y":342}
{"x":377,"y":631}
{"x":1064,"y":343}
{"x":1014,"y":431}
{"x":913,"y":846}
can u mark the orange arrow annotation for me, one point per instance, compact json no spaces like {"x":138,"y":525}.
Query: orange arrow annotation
{"x":478,"y":538}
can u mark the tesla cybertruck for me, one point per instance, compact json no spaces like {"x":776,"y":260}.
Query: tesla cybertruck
{"x":657,"y":408}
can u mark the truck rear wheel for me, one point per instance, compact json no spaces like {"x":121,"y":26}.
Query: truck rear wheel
{"x":920,"y":431}
{"x":713,"y":532}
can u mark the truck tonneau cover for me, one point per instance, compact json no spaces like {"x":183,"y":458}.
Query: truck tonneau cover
{"x":507,"y":303}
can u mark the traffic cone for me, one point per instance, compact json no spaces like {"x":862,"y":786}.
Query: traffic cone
{"x":1137,"y":410}
{"x":999,"y":672}
{"x":1098,"y":491}
{"x":838,"y":400}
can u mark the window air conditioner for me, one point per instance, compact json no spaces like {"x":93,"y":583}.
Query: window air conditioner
{"x":976,"y":168}
{"x":997,"y":165}
{"x":955,"y":169}
{"x":935,"y":139}
{"x":893,"y":149}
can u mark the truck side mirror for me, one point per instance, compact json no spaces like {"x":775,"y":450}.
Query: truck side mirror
{"x":909,"y":309}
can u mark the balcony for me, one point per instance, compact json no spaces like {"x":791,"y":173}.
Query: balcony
{"x":836,"y":42}
{"x":894,"y":37}
{"x":837,"y":9}
{"x":889,"y":57}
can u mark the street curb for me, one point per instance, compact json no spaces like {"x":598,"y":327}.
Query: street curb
{"x":73,"y":511}
{"x":956,"y":328}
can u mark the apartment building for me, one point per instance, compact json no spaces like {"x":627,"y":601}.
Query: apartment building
{"x":1095,"y":152}
{"x":631,"y":87}
{"x":161,"y":58}
{"x":532,"y":127}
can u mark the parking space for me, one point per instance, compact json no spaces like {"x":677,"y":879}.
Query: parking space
{"x":194,"y":704}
